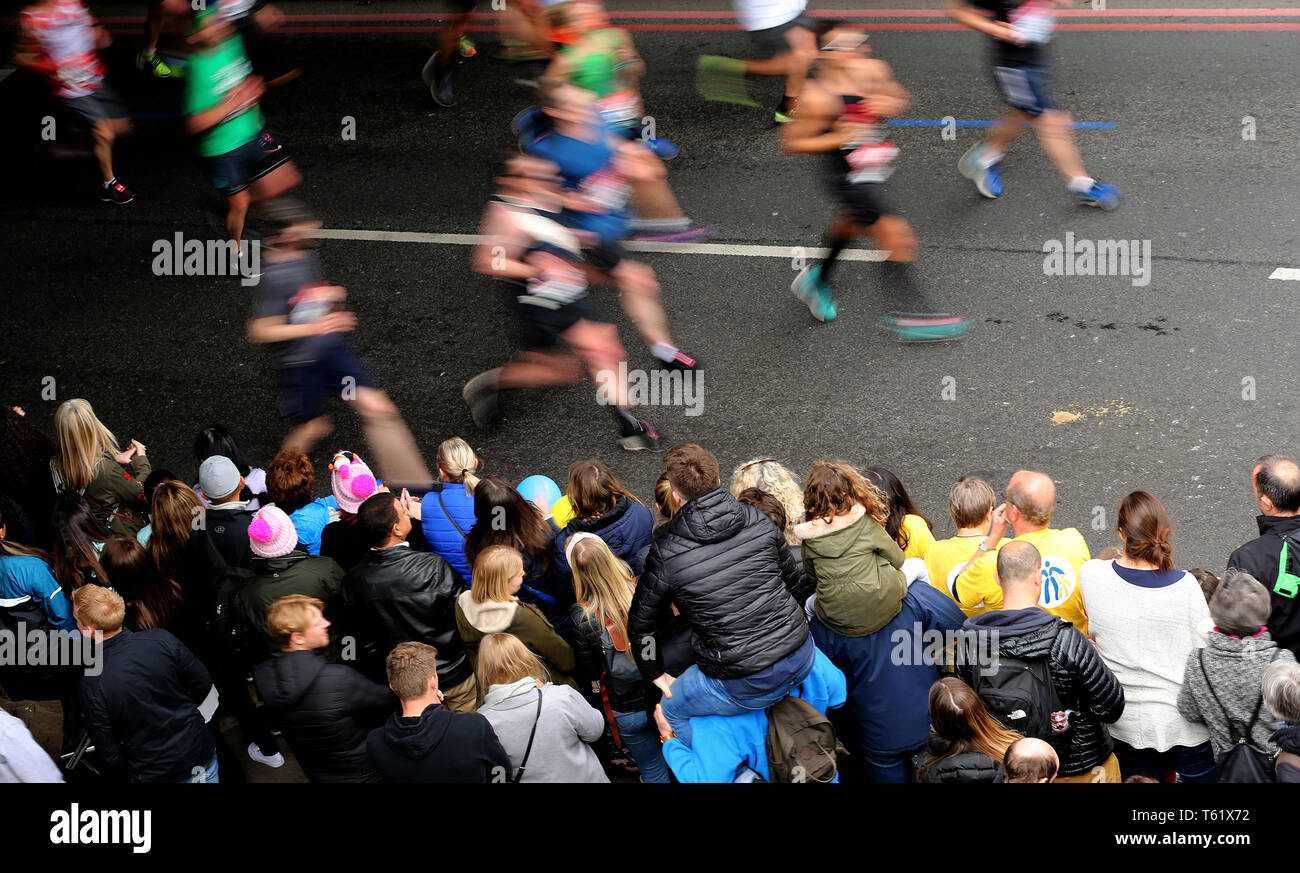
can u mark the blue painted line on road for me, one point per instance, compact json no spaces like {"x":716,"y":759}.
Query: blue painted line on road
{"x":939,"y":122}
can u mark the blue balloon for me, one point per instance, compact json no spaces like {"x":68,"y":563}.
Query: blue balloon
{"x":541,"y":491}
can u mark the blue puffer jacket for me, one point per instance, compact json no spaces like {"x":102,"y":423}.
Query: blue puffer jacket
{"x":890,"y":671}
{"x":310,"y":520}
{"x":625,"y":529}
{"x":440,"y":530}
{"x":722,"y":744}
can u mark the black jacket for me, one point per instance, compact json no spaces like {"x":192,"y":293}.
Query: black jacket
{"x":326,"y":711}
{"x":593,"y":659}
{"x":733,"y":577}
{"x":1287,"y":738}
{"x":1259,"y":558}
{"x":1082,"y":680}
{"x":399,"y":595}
{"x":439,"y":746}
{"x":965,"y":767}
{"x":343,"y":541}
{"x":142,"y":709}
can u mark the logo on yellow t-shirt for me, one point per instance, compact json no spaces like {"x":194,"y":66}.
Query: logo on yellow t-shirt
{"x":1059,"y":581}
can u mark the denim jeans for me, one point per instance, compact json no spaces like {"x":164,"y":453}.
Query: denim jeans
{"x":205,"y":774}
{"x":695,"y":694}
{"x":1191,"y":763}
{"x":895,"y":767}
{"x":641,"y":736}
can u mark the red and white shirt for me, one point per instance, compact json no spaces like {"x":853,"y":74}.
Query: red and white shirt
{"x":65,"y":36}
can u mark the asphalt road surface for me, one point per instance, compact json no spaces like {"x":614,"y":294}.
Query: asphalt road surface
{"x":1173,"y":386}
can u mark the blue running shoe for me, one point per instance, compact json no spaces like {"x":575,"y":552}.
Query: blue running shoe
{"x":926,"y":327}
{"x":664,"y":149}
{"x":989,"y":181}
{"x":1104,"y":196}
{"x":809,"y":288}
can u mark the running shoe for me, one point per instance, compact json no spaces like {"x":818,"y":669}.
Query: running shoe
{"x":987,"y":179}
{"x":116,"y":193}
{"x":809,"y":288}
{"x":683,"y":362}
{"x":926,"y":327}
{"x":1103,"y":196}
{"x":692,"y":233}
{"x":723,"y":80}
{"x":439,"y":82}
{"x":480,"y":394}
{"x":467,"y":47}
{"x":664,"y":149}
{"x":646,"y":438}
{"x":275,"y":761}
{"x":785,"y":115}
{"x":155,"y":65}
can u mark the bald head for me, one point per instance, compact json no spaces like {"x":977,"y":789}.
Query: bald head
{"x":1277,"y":485}
{"x":1030,"y":760}
{"x":1034,"y":495}
{"x":1018,"y":565}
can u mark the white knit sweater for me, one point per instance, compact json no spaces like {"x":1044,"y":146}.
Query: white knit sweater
{"x":1144,"y":636}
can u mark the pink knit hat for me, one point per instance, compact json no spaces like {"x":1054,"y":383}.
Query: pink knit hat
{"x":272,"y":534}
{"x":352,"y":481}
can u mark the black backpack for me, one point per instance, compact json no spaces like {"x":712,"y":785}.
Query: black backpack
{"x":231,"y":633}
{"x":1243,"y":762}
{"x":1021,"y":695}
{"x":800,"y":742}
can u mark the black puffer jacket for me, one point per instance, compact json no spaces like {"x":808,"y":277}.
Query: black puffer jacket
{"x":595,"y":658}
{"x":1259,"y":558}
{"x":966,"y":767}
{"x":399,"y":595}
{"x":733,"y":577}
{"x":326,"y":711}
{"x":1082,"y":681}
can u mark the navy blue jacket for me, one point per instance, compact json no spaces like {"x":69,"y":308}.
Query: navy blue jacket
{"x":889,"y":702}
{"x":626,"y":530}
{"x":142,"y":709}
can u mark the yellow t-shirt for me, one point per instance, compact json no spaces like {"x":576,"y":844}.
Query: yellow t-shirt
{"x":562,"y":512}
{"x":1063,"y":552}
{"x":919,"y":537}
{"x":946,"y":557}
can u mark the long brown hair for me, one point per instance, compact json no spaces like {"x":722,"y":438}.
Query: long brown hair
{"x":152,"y":600}
{"x":834,"y":487}
{"x":1145,"y":525}
{"x":75,"y":533}
{"x":594,"y":490}
{"x":959,"y":717}
{"x":173,"y":510}
{"x":502,"y":517}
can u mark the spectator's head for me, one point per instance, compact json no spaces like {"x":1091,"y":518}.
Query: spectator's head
{"x":1208,"y":581}
{"x":665,"y":502}
{"x":174,"y":513}
{"x":351,"y":481}
{"x":297,"y":623}
{"x":290,"y":480}
{"x":1240,"y":605}
{"x":970,"y":504}
{"x":27,"y":451}
{"x":498,"y":575}
{"x":12,"y":547}
{"x":692,"y":470}
{"x":97,"y":608}
{"x":960,"y":723}
{"x":602,"y":582}
{"x":1281,"y":684}
{"x":504,"y":660}
{"x":383,"y":521}
{"x":594,"y":490}
{"x":82,"y":440}
{"x":286,"y":224}
{"x":1277,"y":485}
{"x":1142,"y":777}
{"x":834,"y":488}
{"x":219,"y":479}
{"x":216,"y":440}
{"x":1019,"y":573}
{"x":899,"y":502}
{"x":76,"y":533}
{"x":1143,"y":525}
{"x":458,"y":463}
{"x":1031,"y":501}
{"x":271,"y":533}
{"x":771,"y":476}
{"x":502,"y":517}
{"x":152,"y":600}
{"x":151,"y":482}
{"x":413,"y":675}
{"x":1030,"y":760}
{"x":766,"y":504}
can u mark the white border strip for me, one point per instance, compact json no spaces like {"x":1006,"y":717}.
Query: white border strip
{"x":1291,"y":273}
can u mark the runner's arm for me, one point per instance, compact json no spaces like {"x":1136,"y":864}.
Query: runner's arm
{"x":498,"y":256}
{"x":815,"y":113}
{"x":968,"y":15}
{"x":245,"y":92}
{"x":277,"y":329}
{"x":889,"y":98}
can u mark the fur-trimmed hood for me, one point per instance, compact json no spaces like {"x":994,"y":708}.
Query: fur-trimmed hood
{"x":818,"y":527}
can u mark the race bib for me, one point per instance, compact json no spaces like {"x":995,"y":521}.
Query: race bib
{"x":620,"y":109}
{"x":606,"y":189}
{"x":873,"y":162}
{"x":1035,"y":21}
